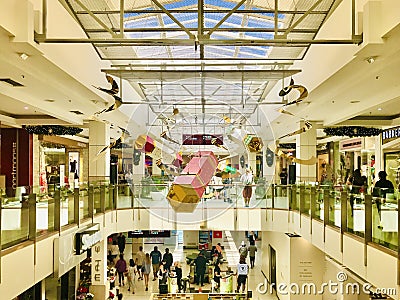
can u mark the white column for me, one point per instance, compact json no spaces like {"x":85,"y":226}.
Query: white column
{"x":138,"y":171}
{"x":99,"y":271}
{"x":99,"y":137}
{"x":268,"y":171}
{"x":306,"y":147}
{"x":251,"y":161}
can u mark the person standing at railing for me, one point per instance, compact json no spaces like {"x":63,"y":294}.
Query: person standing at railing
{"x":381,"y":188}
{"x":247,"y":180}
{"x":284,"y":176}
{"x":358,"y":185}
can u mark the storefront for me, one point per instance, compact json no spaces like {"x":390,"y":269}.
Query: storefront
{"x":357,"y":153}
{"x":391,"y":154}
{"x":61,"y":162}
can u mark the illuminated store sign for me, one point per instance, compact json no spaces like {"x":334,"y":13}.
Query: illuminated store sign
{"x":85,"y":239}
{"x":351,"y":144}
{"x":202,"y":139}
{"x":390,"y":134}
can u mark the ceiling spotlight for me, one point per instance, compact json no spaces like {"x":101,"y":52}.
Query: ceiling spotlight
{"x":380,"y":108}
{"x":26,"y":107}
{"x":371,"y":59}
{"x":23,"y":56}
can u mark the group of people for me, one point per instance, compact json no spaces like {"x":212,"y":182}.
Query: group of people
{"x":163,"y":265}
{"x":221,"y":187}
{"x":359,"y":184}
{"x":145,"y":264}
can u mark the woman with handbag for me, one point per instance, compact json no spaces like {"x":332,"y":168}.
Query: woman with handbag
{"x":120,"y":266}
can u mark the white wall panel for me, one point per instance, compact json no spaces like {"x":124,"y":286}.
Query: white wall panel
{"x":295,"y":222}
{"x":332,"y":243}
{"x":17,"y":272}
{"x":353,"y":255}
{"x":44,"y":258}
{"x":124,"y":220}
{"x":381,"y":268}
{"x":223,"y":221}
{"x":280,"y":221}
{"x":317,"y":237}
{"x":248,"y":219}
{"x":305,"y":228}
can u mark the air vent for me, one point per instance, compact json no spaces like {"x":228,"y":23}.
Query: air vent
{"x":77,"y":112}
{"x":11,"y":82}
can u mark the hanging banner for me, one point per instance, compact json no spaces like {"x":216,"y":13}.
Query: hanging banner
{"x":202,"y":139}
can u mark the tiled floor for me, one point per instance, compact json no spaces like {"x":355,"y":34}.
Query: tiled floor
{"x":231,"y":242}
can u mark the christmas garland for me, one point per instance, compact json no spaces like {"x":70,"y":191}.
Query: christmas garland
{"x":352,"y":131}
{"x":53,"y":130}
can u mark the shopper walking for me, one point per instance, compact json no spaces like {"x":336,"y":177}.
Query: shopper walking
{"x":252,"y":254}
{"x":243,"y":250}
{"x":252,"y":238}
{"x":247,"y":180}
{"x":178,"y":272}
{"x":155,"y":256}
{"x":217,"y":275}
{"x":131,"y":275}
{"x":146,"y":269}
{"x":168,"y":258}
{"x":120,"y":266}
{"x":242,"y":272}
{"x":140,"y":256}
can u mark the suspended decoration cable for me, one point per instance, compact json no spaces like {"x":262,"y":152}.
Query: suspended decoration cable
{"x":52,"y":130}
{"x":352,"y":131}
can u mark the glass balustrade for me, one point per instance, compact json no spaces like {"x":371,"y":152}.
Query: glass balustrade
{"x":31,"y":211}
{"x":385,"y":219}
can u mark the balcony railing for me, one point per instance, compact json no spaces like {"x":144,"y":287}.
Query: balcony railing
{"x":34,"y":211}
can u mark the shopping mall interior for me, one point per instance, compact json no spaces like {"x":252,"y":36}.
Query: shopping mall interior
{"x":257,"y":141}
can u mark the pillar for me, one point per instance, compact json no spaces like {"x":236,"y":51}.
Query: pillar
{"x":251,"y":161}
{"x":99,"y":286}
{"x":138,"y":171}
{"x":306,"y":147}
{"x":99,"y":137}
{"x":268,"y":169}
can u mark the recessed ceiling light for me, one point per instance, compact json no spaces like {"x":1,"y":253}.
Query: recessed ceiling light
{"x":354,"y":101}
{"x":26,"y":107}
{"x":23,"y":56}
{"x":380,"y":108}
{"x":371,"y":59}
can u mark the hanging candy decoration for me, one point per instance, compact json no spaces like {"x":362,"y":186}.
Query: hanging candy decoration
{"x":113,"y":92}
{"x":286,"y":90}
{"x":303,"y":92}
{"x":307,"y":126}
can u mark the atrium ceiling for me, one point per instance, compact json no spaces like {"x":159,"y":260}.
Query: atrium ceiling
{"x":213,"y":60}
